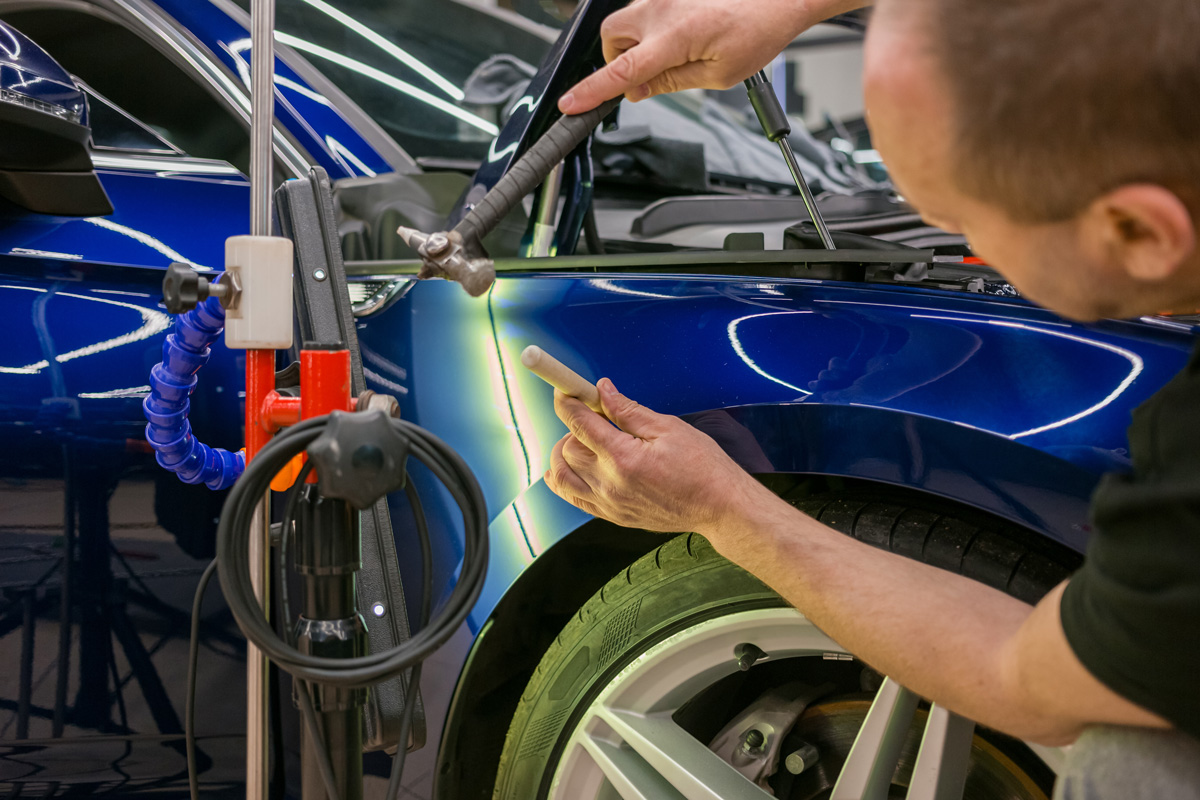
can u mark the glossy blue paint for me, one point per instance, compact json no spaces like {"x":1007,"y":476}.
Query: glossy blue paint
{"x":86,"y":341}
{"x":309,"y":116}
{"x":992,"y":403}
{"x":29,"y":71}
{"x":159,"y":218}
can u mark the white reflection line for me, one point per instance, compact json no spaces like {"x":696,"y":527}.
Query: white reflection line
{"x":152,"y":322}
{"x":1133,"y":358}
{"x":388,"y":80}
{"x":11,"y":44}
{"x":144,"y":238}
{"x":132,"y":391}
{"x":741,"y":351}
{"x":608,"y":285}
{"x":288,"y":83}
{"x":403,"y":56}
{"x":371,"y":375}
{"x":25,"y":251}
{"x":340,"y":149}
{"x":919,"y":308}
{"x":496,"y":155}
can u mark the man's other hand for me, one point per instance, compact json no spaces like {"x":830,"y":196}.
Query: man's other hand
{"x":653,"y":471}
{"x":661,"y":46}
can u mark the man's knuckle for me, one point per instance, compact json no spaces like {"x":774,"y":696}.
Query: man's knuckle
{"x":624,"y":67}
{"x":613,"y":26}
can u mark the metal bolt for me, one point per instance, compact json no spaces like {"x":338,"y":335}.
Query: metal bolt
{"x":753,"y":739}
{"x":378,"y":609}
{"x":319,"y":274}
{"x":436,"y":244}
{"x":800,"y":760}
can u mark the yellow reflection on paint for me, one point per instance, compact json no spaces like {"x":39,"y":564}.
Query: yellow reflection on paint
{"x":509,"y":523}
{"x":500,"y":400}
{"x":519,"y":409}
{"x":527,"y":520}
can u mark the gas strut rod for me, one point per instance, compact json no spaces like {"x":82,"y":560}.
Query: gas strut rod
{"x":459,"y":254}
{"x":776,"y":126}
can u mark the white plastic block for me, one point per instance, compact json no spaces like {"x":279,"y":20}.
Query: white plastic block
{"x":262,"y":319}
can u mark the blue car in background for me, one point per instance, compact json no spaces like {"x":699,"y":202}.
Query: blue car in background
{"x":896,"y":389}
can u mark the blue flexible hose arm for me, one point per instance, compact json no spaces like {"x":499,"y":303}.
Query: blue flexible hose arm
{"x":166,"y":408}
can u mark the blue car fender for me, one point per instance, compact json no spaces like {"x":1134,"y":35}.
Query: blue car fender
{"x":990,"y":403}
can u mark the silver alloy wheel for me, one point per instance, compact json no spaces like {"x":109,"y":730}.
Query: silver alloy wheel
{"x":627,"y":744}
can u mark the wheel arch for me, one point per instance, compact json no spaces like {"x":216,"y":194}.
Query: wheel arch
{"x":809,"y":448}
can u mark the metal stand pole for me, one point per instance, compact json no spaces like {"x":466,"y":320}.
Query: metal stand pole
{"x":262,"y":114}
{"x":329,"y":556}
{"x":262,"y":108}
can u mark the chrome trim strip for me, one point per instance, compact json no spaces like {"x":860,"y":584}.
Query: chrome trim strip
{"x":383,"y":296}
{"x":181,"y":165}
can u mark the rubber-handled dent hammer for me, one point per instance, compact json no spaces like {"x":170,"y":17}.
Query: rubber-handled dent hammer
{"x":458,"y":255}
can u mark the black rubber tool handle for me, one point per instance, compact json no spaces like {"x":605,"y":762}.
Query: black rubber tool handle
{"x":555,"y":145}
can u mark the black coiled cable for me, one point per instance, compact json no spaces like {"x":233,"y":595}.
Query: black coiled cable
{"x":233,"y":536}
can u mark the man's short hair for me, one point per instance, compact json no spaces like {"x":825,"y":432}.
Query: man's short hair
{"x":1060,"y":101}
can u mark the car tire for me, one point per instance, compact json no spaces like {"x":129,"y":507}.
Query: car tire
{"x":686,"y":586}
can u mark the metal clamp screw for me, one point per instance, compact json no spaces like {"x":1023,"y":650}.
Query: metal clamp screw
{"x":753,"y":740}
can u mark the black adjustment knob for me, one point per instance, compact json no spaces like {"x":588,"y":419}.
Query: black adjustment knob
{"x":359,"y":457}
{"x":183,"y":289}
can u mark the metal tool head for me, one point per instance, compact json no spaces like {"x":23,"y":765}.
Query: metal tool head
{"x":443,"y":256}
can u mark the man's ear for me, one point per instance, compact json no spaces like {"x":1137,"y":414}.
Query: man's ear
{"x":1142,"y":229}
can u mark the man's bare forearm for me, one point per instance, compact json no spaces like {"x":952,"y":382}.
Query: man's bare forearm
{"x":943,"y":636}
{"x":973,"y":649}
{"x":824,"y":9}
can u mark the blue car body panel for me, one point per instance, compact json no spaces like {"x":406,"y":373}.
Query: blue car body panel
{"x":159,"y":218}
{"x":995,"y":404}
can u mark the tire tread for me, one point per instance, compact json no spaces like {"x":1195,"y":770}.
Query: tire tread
{"x":608,"y":621}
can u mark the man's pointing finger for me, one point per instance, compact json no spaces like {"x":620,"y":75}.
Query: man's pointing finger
{"x":629,"y":74}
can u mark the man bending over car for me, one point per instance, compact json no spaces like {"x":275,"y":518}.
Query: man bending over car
{"x":1062,"y":138}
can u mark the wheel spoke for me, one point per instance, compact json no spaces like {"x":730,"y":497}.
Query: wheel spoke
{"x":872,"y":761}
{"x":628,"y":772}
{"x":682,"y":761}
{"x":941,"y":769}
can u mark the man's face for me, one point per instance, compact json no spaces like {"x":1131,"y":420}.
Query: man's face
{"x":909,"y":108}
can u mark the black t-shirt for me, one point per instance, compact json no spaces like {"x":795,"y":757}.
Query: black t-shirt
{"x":1132,"y":612}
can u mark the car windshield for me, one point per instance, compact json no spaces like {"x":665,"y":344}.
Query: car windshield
{"x":438,"y":76}
{"x":406,"y":63}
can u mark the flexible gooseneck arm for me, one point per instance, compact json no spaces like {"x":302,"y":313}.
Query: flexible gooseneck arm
{"x":172,"y":381}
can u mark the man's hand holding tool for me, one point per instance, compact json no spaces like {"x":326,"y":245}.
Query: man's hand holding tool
{"x":671,"y":45}
{"x":629,"y":474}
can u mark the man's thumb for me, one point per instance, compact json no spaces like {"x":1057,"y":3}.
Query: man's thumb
{"x":629,"y":415}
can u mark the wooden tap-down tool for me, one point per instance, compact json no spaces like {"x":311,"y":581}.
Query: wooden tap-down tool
{"x":561,"y":377}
